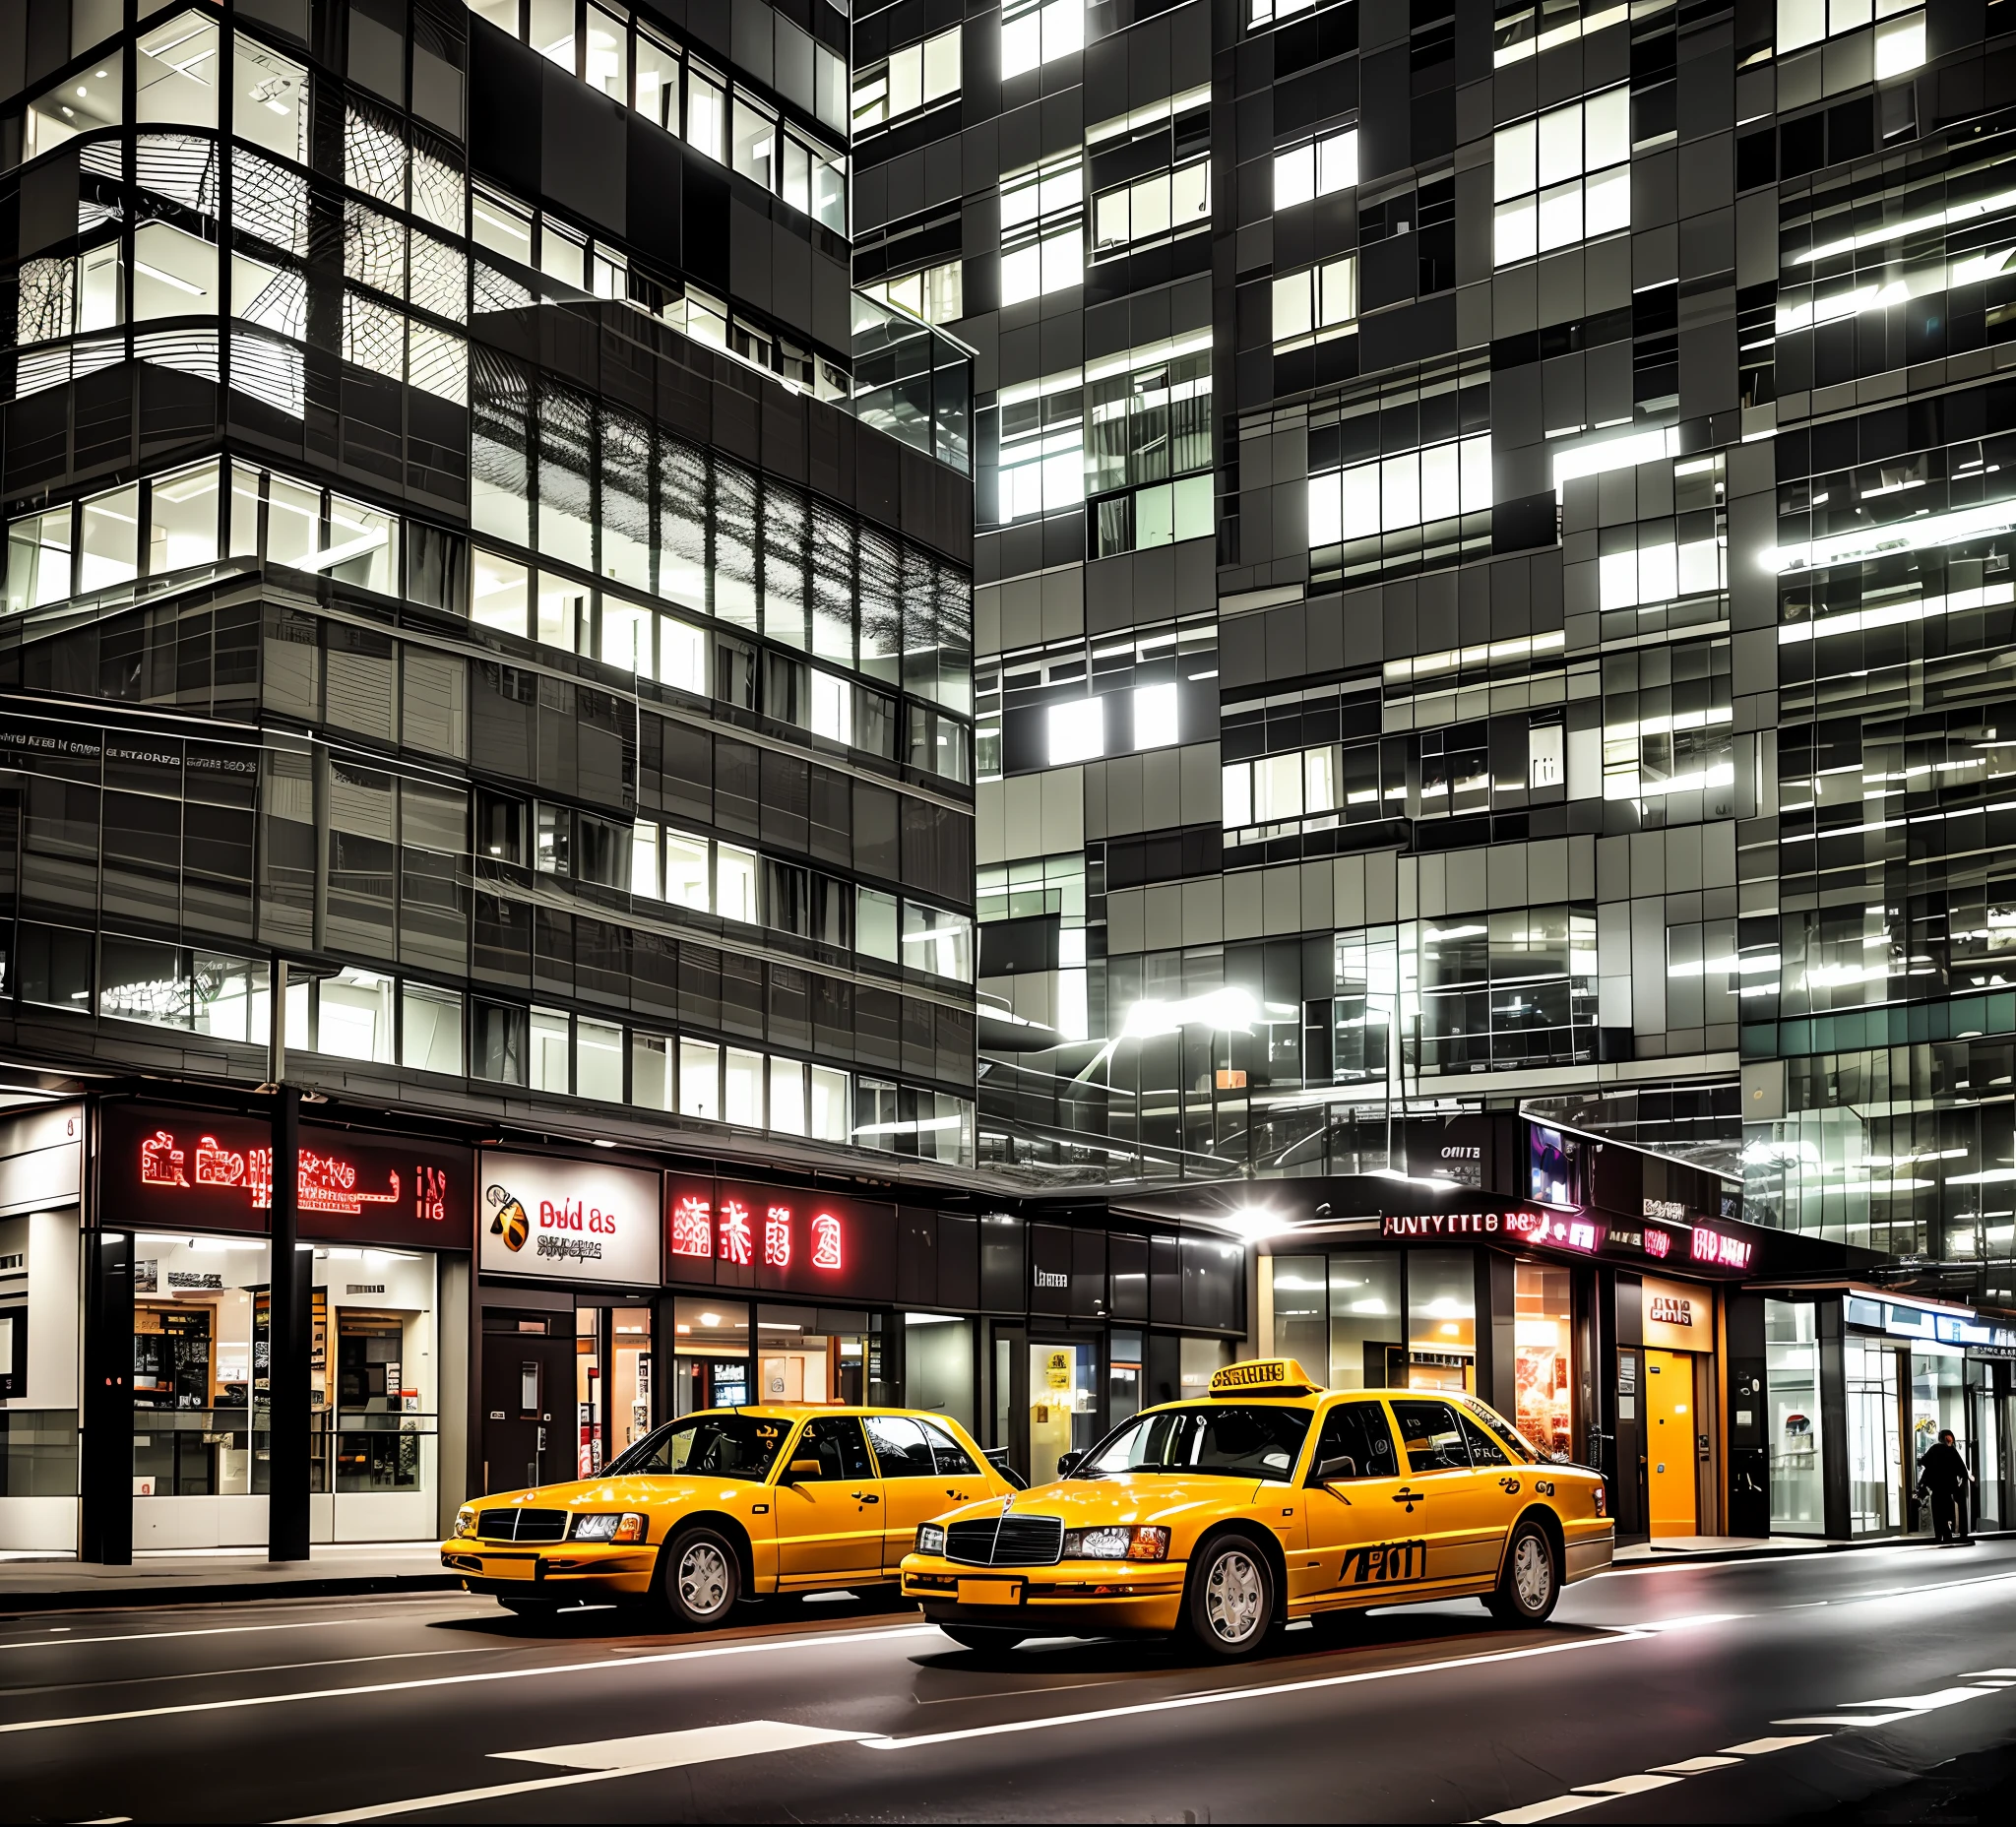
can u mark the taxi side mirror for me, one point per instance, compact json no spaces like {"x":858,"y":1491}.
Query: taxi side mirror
{"x":803,"y":1472}
{"x":1068,"y":1463}
{"x":1340,"y":1467}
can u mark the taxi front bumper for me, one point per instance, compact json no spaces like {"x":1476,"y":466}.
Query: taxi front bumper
{"x":552,"y":1570}
{"x":1074,"y":1598}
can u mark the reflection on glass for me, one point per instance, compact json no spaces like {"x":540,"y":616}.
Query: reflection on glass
{"x":1544,"y":1356}
{"x":1792,"y":1416}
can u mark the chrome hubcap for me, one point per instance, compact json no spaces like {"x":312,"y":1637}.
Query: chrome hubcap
{"x":1232,"y":1597}
{"x":1533,"y":1572}
{"x":703,"y":1579}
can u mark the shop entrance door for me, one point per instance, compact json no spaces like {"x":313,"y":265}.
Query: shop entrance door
{"x":1063,"y":1403}
{"x":1670,"y":1447}
{"x":529,"y":1426}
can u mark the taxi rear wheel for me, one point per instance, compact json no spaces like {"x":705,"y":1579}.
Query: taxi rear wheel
{"x":699,"y":1578}
{"x":1530,"y":1587}
{"x":1228,"y":1609}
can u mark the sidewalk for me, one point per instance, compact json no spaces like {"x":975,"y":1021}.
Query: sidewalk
{"x":1680,"y":1551}
{"x":53,"y":1583}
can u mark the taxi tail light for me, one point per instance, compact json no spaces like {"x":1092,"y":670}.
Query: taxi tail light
{"x":1149,"y":1544}
{"x":1602,"y":1499}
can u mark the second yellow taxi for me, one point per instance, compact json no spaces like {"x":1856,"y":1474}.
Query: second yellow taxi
{"x":1271,"y":1500}
{"x":725,"y":1504}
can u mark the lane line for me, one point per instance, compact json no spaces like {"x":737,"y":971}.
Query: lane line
{"x":671,"y":1750}
{"x":1222,"y":1696}
{"x":544,"y":1670}
{"x":609,"y":1759}
{"x":1544,"y":1810}
{"x":1626,"y":1785}
{"x":221,"y":1675}
{"x":1763,"y":1747}
{"x":1696,"y":1766}
{"x":73,"y":1642}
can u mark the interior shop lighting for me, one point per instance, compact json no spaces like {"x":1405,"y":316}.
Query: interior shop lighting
{"x":1860,"y":543}
{"x":930,"y":1319}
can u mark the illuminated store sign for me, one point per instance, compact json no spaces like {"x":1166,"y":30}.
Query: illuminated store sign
{"x":574,"y":1221}
{"x":738,"y":1236}
{"x":215,"y":1171}
{"x":1584,"y":1234}
{"x":1722,"y":1251}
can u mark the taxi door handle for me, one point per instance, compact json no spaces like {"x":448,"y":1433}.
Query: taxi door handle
{"x":867,"y":1496}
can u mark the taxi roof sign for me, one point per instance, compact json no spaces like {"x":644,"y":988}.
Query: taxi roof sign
{"x":1262,"y":1376}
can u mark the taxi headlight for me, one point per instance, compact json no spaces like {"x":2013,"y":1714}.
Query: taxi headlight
{"x":627,"y":1527}
{"x":931,"y":1538}
{"x":465,"y":1520}
{"x":1116,"y":1542}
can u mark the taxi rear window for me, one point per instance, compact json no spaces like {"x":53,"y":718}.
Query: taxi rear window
{"x":1228,"y":1440}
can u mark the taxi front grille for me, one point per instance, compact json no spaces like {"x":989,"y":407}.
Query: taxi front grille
{"x":1010,"y":1540}
{"x":523,"y":1525}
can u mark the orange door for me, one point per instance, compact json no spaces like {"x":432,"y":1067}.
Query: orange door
{"x":1669,"y":1441}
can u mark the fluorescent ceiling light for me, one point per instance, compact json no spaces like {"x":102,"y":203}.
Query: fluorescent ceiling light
{"x":170,"y":278}
{"x":1862,"y":544}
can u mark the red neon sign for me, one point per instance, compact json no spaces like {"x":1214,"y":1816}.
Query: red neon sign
{"x":737,"y":1241}
{"x":1657,"y":1242}
{"x":692,"y":1226}
{"x":777,"y":1238}
{"x":326,"y":1184}
{"x":826,"y":1242}
{"x":1722,"y":1250}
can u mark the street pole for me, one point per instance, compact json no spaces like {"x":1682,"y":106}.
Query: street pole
{"x":288,"y":1317}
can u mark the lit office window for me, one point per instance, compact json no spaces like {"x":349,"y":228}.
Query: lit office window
{"x":1033,"y":32}
{"x":1318,"y":169}
{"x":1563,"y":178}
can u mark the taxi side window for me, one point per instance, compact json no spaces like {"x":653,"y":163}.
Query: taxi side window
{"x":953,"y":1459}
{"x":1356,"y":1432}
{"x":899,"y":1446}
{"x":835,"y":1441}
{"x":1432,"y":1438}
{"x":1484,"y":1450}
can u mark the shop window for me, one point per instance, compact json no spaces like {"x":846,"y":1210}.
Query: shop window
{"x":198,"y":1327}
{"x":710,"y":1354}
{"x":699,"y":1080}
{"x":1365,"y":1322}
{"x":549,"y":1049}
{"x":1543,"y":1358}
{"x":430,"y":1029}
{"x":1441,"y":1319}
{"x":1300,"y":1313}
{"x":376,"y":1405}
{"x":743,"y":1088}
{"x":1793,"y":1437}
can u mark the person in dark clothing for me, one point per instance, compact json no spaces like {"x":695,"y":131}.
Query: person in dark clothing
{"x":1942,"y":1476}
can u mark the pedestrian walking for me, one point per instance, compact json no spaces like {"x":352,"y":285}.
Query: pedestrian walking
{"x":1943,"y":1478}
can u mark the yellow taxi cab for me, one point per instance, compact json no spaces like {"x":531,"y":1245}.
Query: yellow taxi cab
{"x":1268,"y":1500}
{"x":727,"y":1504}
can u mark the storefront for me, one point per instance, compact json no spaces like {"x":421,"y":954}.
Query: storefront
{"x":477,"y":1318}
{"x":383,"y":1220}
{"x":1857,"y":1384}
{"x":1578,"y":1286}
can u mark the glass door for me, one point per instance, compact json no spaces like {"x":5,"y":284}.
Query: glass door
{"x":1875,"y":1477}
{"x":1063,"y":1403}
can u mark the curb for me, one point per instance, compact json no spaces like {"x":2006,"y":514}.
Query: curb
{"x":114,"y":1598}
{"x":1697,"y":1557}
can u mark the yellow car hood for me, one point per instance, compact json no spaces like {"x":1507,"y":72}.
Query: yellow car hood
{"x":1167,"y":1498}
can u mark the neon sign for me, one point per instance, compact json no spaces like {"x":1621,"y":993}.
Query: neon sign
{"x":737,"y":1244}
{"x":750,"y":1228}
{"x":326,"y":1184}
{"x":692,"y":1226}
{"x":1659,"y":1242}
{"x":1722,"y":1250}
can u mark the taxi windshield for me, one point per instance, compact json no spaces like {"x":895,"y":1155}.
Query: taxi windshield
{"x":715,"y":1446}
{"x":1224,"y":1439}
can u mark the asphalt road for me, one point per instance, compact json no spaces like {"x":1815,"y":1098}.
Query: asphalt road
{"x":1836,"y":1684}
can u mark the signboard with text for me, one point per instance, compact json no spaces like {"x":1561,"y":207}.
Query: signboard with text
{"x":779,"y":1239}
{"x":175,"y":1169}
{"x":1703,"y":1248}
{"x":572,"y":1221}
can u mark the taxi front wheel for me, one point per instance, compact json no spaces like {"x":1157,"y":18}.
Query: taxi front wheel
{"x":1228,"y":1609}
{"x":1530,"y":1584}
{"x":699,"y":1578}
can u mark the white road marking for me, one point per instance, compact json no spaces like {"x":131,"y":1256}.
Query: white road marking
{"x":1845,"y":1718}
{"x":220,"y":1630}
{"x":1900,"y":1707}
{"x":1626,"y":1786}
{"x":543,"y":1672}
{"x":1691,"y":1623}
{"x":1695,"y":1766}
{"x":1544,"y":1810}
{"x":609,"y":1759}
{"x":669,"y":1750}
{"x":1763,"y":1747}
{"x":1223,"y":1695}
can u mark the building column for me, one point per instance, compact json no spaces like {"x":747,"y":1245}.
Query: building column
{"x":290,"y":1306}
{"x":105,"y":1454}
